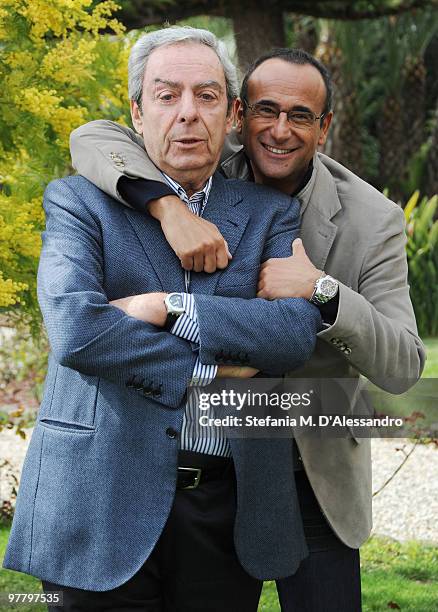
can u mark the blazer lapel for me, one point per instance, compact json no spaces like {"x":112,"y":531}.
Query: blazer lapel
{"x":317,"y":229}
{"x":165,"y":263}
{"x":222,"y":209}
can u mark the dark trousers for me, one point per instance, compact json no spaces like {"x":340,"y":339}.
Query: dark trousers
{"x":328,"y":580}
{"x":193,"y":567}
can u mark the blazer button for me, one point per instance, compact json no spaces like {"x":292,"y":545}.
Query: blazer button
{"x":171,"y":433}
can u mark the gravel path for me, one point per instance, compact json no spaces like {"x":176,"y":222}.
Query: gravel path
{"x":406,"y":509}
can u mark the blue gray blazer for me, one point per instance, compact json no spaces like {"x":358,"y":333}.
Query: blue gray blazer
{"x":99,"y":477}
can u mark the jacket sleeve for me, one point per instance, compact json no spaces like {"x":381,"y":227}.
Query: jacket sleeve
{"x":85,"y":332}
{"x":272,"y":336}
{"x":375,"y":327}
{"x":103,"y":151}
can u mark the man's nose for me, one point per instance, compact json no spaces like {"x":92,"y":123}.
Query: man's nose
{"x":281,"y":128}
{"x":188,"y":112}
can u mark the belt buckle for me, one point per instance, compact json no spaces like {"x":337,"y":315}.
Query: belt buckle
{"x":197,"y":477}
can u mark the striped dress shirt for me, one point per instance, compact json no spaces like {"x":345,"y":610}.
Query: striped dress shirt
{"x":209,"y":440}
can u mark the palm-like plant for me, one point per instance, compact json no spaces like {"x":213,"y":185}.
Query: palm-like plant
{"x":402,"y":115}
{"x":342,"y":49}
{"x":422,"y":253}
{"x":432,"y":156}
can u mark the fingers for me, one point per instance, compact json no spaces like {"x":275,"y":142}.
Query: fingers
{"x":298,"y":249}
{"x":231,"y":371}
{"x":260,"y":287}
{"x":223,"y":255}
{"x":198,"y":262}
{"x":197,"y":242}
{"x":210,"y":262}
{"x":264,"y":294}
{"x":187,"y":262}
{"x":296,"y":245}
{"x":208,"y":257}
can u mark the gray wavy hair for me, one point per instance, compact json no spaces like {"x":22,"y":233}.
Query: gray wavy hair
{"x":144,"y":46}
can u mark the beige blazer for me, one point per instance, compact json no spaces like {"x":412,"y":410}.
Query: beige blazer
{"x":355,"y":234}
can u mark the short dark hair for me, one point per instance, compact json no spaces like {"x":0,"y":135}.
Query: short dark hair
{"x":294,"y":56}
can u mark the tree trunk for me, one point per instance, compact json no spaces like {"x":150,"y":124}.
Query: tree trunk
{"x":431,"y":66}
{"x":330,"y":55}
{"x":432,"y":158}
{"x":305,"y":33}
{"x":256,"y":30}
{"x":414,"y":114}
{"x":391,"y":141}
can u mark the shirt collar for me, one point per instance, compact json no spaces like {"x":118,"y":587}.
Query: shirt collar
{"x":306,"y":179}
{"x":306,"y":187}
{"x":181,"y":192}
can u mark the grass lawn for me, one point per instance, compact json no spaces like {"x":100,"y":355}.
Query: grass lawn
{"x":392,"y":573}
{"x":422,"y":397}
{"x":14,"y":582}
{"x":431,"y":367}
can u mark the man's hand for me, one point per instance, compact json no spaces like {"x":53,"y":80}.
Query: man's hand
{"x":148,"y":307}
{"x":198,"y":243}
{"x":290,"y":277}
{"x":230,"y":371}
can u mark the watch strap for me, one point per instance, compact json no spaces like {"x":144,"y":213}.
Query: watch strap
{"x":171,"y":319}
{"x":314,"y":298}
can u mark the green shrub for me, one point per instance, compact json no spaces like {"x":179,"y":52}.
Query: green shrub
{"x":422,"y":253}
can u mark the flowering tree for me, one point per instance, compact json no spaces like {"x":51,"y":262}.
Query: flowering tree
{"x":57,"y":70}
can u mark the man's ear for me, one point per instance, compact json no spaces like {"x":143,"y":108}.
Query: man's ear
{"x":137,"y":117}
{"x":325,"y":128}
{"x":238,"y":114}
{"x":231,"y":118}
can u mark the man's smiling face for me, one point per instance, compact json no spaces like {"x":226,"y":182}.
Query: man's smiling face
{"x":280,"y":152}
{"x":184,"y":117}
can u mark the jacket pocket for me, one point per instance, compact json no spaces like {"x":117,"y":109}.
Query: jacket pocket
{"x":67,"y":427}
{"x":239,"y":274}
{"x":70,"y":402}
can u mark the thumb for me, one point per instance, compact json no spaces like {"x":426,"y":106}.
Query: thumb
{"x":298,"y":249}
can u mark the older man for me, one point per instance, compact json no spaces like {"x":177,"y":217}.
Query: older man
{"x":351,"y":232}
{"x":120,"y":506}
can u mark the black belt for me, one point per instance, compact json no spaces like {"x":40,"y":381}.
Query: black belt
{"x":197,"y":468}
{"x":190,"y":477}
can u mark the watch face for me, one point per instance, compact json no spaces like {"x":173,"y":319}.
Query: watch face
{"x":328,"y":287}
{"x":176,"y":301}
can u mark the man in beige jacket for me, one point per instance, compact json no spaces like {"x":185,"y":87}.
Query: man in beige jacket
{"x":351,"y":263}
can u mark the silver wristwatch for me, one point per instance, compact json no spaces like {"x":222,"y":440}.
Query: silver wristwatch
{"x":174,"y":307}
{"x":326,"y":287}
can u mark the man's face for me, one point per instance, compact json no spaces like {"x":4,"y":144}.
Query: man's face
{"x":285,"y":87}
{"x":184,"y":116}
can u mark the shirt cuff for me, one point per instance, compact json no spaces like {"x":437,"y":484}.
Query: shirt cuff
{"x":329,"y":311}
{"x":139,"y":192}
{"x":203,"y":374}
{"x":186,"y":326}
